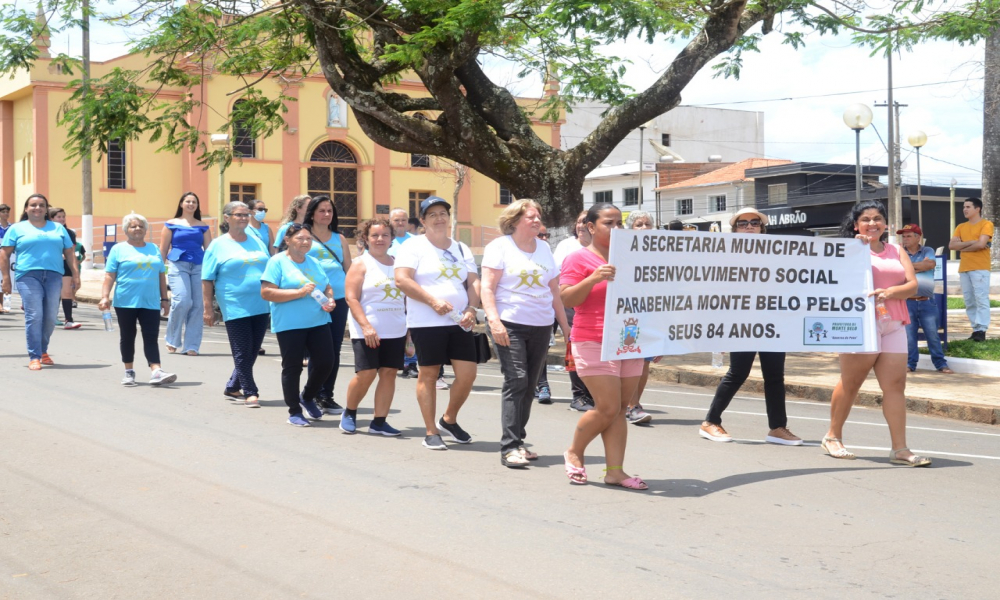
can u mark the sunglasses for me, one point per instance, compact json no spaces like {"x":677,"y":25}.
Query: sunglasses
{"x":263,"y":210}
{"x":450,"y":256}
{"x":543,"y":236}
{"x":293,"y":227}
{"x":751,"y":223}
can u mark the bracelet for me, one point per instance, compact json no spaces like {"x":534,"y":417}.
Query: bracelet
{"x":164,"y":299}
{"x":470,"y":307}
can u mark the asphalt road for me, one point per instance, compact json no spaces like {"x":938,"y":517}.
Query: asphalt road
{"x":107,"y":492}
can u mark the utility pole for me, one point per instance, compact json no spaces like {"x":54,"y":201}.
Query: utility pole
{"x":87,"y":214}
{"x":895,"y":207}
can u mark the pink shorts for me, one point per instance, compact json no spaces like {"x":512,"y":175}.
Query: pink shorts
{"x":587,"y":356}
{"x":892,"y":338}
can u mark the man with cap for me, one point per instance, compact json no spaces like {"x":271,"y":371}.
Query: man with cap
{"x":922,"y":306}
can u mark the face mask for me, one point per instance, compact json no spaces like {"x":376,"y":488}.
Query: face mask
{"x":260,"y":216}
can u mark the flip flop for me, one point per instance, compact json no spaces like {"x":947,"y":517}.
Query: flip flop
{"x":577,"y":475}
{"x":251,"y":402}
{"x":632,"y":483}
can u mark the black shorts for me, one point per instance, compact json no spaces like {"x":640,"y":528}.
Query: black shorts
{"x":388,"y":354}
{"x":439,"y":345}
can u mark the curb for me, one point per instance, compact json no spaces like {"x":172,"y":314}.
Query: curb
{"x":962,"y":411}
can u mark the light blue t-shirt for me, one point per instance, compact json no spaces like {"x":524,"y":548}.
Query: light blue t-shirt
{"x":334,"y":267}
{"x":137,"y":271}
{"x":37,"y":248}
{"x":263,"y":234}
{"x":396,"y":243}
{"x":280,"y":235}
{"x":236,"y":268}
{"x":301,"y":313}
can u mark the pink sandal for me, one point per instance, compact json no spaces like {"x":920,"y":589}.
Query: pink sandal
{"x":577,"y":475}
{"x":632,"y":483}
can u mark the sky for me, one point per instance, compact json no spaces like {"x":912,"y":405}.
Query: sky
{"x":809,"y":126}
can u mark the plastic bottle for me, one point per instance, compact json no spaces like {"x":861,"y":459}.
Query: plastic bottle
{"x":881,"y":312}
{"x":108,"y":323}
{"x":319,"y":297}
{"x":6,"y":302}
{"x":717,"y":360}
{"x":457,"y":318}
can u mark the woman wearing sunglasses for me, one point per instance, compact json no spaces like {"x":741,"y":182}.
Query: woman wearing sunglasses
{"x":772,"y":366}
{"x":438,"y":275}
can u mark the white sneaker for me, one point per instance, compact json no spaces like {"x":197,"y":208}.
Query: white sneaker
{"x":159,"y":377}
{"x":71,"y":325}
{"x":129,"y":379}
{"x":441,"y":384}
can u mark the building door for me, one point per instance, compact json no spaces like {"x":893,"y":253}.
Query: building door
{"x":340,"y":182}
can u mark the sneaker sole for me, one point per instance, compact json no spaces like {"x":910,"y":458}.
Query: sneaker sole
{"x":424,"y":444}
{"x":165,"y":380}
{"x":383,"y":433}
{"x":132,"y":384}
{"x":714,"y":438}
{"x":546,"y":401}
{"x":347,"y":431}
{"x":445,"y":433}
{"x":782,"y":442}
{"x":642,"y":420}
{"x":297,"y":425}
{"x":309,"y":416}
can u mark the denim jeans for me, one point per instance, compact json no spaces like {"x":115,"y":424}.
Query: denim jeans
{"x":521,"y":363}
{"x":924,"y":314}
{"x":976,"y":290}
{"x":39,"y":292}
{"x":186,"y":306}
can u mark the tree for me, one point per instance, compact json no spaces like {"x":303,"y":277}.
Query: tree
{"x":363,"y":47}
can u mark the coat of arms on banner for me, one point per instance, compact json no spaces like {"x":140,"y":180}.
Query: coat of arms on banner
{"x":628,"y":339}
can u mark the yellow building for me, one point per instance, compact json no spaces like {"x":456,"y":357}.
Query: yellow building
{"x":323,"y":150}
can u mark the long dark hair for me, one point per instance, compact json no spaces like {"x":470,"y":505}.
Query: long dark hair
{"x":180,"y":211}
{"x":849,"y":229}
{"x":595,"y":211}
{"x":311,"y":212}
{"x":24,"y":211}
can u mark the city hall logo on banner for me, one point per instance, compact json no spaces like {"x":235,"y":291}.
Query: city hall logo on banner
{"x":833,"y":331}
{"x":628,"y":339}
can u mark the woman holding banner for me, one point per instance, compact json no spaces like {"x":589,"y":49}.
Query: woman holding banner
{"x":583,"y":285}
{"x":634,"y":414}
{"x":894,"y":281}
{"x":772,"y":366}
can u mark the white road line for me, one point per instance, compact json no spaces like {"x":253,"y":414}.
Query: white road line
{"x":885,"y":449}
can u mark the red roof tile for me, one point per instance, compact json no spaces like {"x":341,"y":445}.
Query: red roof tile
{"x":731,"y":173}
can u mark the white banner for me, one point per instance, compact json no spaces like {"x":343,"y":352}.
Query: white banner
{"x":677,"y":292}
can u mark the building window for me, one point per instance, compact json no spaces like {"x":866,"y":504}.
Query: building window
{"x":415,"y":199}
{"x":339,"y":181}
{"x":685,"y":206}
{"x":605,"y":196}
{"x":242,"y":192}
{"x":665,"y":139}
{"x":116,"y":165}
{"x":777,"y":194}
{"x":631,"y":196}
{"x":244,"y":145}
{"x":717,"y":203}
{"x":420,"y":160}
{"x":505,"y":196}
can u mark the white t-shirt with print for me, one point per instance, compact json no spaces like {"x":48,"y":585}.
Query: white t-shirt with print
{"x":440,"y":273}
{"x":565,"y":248}
{"x":523,"y":293}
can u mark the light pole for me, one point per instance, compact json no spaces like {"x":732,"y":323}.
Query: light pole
{"x":221,"y":140}
{"x":917,"y":139}
{"x":857,"y":117}
{"x":641,"y":129}
{"x":951,"y":212}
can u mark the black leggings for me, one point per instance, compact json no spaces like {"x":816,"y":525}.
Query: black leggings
{"x":149,"y":320}
{"x":338,"y":324}
{"x":772,"y":366}
{"x":293,"y":344}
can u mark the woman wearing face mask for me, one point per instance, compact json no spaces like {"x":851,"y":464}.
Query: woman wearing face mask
{"x":258,"y":212}
{"x":68,"y":294}
{"x":136,"y":271}
{"x":231,"y":273}
{"x":895,"y":281}
{"x":42,"y":248}
{"x":584,"y":285}
{"x":183,"y":242}
{"x":772,"y":366}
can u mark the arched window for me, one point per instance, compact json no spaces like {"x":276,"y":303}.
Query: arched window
{"x":244,"y":144}
{"x":340,"y":182}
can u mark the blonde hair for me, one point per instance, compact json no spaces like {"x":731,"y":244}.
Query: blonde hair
{"x":513,"y":213}
{"x":293,"y":208}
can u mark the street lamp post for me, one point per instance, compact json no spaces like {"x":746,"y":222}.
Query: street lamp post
{"x":857,"y":117}
{"x":221,"y":140}
{"x":951,"y":212}
{"x":641,"y":129}
{"x":917,"y":139}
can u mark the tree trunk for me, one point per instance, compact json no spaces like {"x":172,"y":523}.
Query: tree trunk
{"x":991,"y":136}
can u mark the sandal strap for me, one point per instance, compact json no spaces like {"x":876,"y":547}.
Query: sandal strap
{"x":618,"y":468}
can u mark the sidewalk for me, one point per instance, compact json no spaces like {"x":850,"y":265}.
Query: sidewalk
{"x":974,"y":398}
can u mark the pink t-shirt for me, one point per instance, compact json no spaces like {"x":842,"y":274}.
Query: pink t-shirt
{"x":588,"y":323}
{"x":887,"y":271}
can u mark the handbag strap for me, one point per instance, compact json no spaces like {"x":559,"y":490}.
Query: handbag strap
{"x":340,"y":262}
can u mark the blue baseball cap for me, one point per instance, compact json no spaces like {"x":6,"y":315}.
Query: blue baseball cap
{"x":433,"y":201}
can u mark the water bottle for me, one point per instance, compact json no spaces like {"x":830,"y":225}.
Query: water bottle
{"x":881,"y":312}
{"x":6,"y":302}
{"x":108,"y":323}
{"x":716,"y":360}
{"x":319,"y":297}
{"x":457,"y":318}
